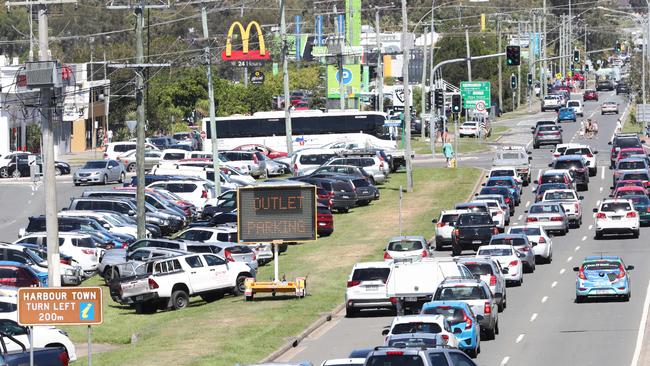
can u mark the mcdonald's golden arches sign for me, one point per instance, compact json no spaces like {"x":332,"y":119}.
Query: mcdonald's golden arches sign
{"x":245,"y":54}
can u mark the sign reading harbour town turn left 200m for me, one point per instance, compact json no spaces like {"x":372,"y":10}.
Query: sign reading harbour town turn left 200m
{"x":60,"y":306}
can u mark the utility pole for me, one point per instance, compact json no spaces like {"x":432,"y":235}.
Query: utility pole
{"x":432,"y":129}
{"x":469,"y":61}
{"x":139,"y":68}
{"x":545,"y":67}
{"x":424,"y":87}
{"x":500,"y":61}
{"x":570,"y":35}
{"x":285,"y":79}
{"x":380,"y":65}
{"x":47,"y":127}
{"x":339,"y":59}
{"x":519,"y":69}
{"x":407,"y":100}
{"x":531,"y":64}
{"x":213,"y":122}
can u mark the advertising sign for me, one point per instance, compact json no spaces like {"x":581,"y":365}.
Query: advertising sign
{"x":268,"y":213}
{"x":60,"y":306}
{"x":475,"y":94}
{"x":245,"y":54}
{"x":351,"y":80}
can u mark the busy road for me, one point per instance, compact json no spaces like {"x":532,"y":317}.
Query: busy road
{"x":542,"y":325}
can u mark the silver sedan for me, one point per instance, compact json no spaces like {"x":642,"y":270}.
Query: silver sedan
{"x":100,"y":171}
{"x":549,"y":215}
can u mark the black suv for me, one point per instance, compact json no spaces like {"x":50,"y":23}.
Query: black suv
{"x":472,"y":230}
{"x":605,"y":85}
{"x":622,"y":88}
{"x":577,"y":166}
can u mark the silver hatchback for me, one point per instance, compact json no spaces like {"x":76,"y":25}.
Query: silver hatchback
{"x":549,"y":215}
{"x":100,"y":171}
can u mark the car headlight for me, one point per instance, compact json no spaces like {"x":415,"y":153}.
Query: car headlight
{"x":164,"y":222}
{"x":95,"y":173}
{"x":69,"y":272}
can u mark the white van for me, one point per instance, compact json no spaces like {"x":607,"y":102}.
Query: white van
{"x":577,"y":107}
{"x":114,"y":149}
{"x":306,"y":161}
{"x":191,"y":171}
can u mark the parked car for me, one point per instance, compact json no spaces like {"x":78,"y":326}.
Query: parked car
{"x":254,"y":159}
{"x":114,"y":149}
{"x":36,"y":258}
{"x":80,"y":247}
{"x":324,"y":220}
{"x":129,"y":159}
{"x":100,"y":171}
{"x":271,"y":153}
{"x":445,"y":225}
{"x":15,"y":274}
{"x":43,"y":337}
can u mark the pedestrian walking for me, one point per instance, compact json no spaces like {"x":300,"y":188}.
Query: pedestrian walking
{"x":109,"y":135}
{"x":448,"y":152}
{"x":619,"y":126}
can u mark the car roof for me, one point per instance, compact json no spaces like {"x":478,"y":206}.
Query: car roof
{"x":417,"y":317}
{"x":495,"y":246}
{"x":555,"y":172}
{"x":362,"y":265}
{"x":506,"y":236}
{"x":408,"y":237}
{"x":343,"y":361}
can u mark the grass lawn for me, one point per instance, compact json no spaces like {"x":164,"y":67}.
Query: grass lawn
{"x":465,"y":145}
{"x":630,"y":127}
{"x":232,"y":331}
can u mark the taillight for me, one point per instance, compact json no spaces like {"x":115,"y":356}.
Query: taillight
{"x":576,"y":207}
{"x":493,"y":280}
{"x":445,"y":338}
{"x":442,"y":224}
{"x":295,"y":169}
{"x":556,"y":218}
{"x":204,"y":194}
{"x":621,"y":272}
{"x":254,"y":256}
{"x":424,"y":253}
{"x":255,"y":160}
{"x":507,"y":199}
{"x":467,"y":320}
{"x":495,"y":231}
{"x":541,"y":240}
{"x":88,"y":251}
{"x":153,"y":284}
{"x":228,"y":255}
{"x":387,"y":256}
{"x":631,"y":214}
{"x":65,"y":261}
{"x":487,"y":309}
{"x":600,"y":215}
{"x":581,"y":274}
{"x":399,"y":353}
{"x":353,"y":283}
{"x":590,"y":155}
{"x":513,"y":264}
{"x":393,"y":300}
{"x":531,"y":219}
{"x":64,"y":358}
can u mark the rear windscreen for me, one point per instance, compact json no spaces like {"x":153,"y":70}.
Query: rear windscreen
{"x":371,"y":274}
{"x":416,"y":327}
{"x":553,"y":178}
{"x":636,"y":176}
{"x":397,"y":360}
{"x":526,"y":230}
{"x":240,"y":249}
{"x":508,"y":241}
{"x":479,"y":268}
{"x":449,"y":219}
{"x":502,"y":173}
{"x":629,"y":165}
{"x":562,"y":195}
{"x":604,"y":265}
{"x":498,"y":183}
{"x":460,"y":293}
{"x":615,"y":207}
{"x":543,"y":209}
{"x":495,"y":252}
{"x":316,"y":159}
{"x":568,"y":164}
{"x":475,"y":220}
{"x":361,"y":183}
{"x":577,"y":151}
{"x":404,"y":245}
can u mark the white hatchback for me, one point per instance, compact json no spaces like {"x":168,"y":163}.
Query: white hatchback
{"x":366,"y":288}
{"x":433,"y":324}
{"x":577,"y":107}
{"x":80,"y":247}
{"x":508,"y":258}
{"x":469,"y":129}
{"x":538,"y":238}
{"x":616,"y":216}
{"x":406,"y":248}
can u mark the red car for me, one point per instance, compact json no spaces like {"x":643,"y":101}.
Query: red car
{"x":269,"y":152}
{"x":590,"y":94}
{"x":626,"y":152}
{"x":621,"y":192}
{"x":325,"y":220}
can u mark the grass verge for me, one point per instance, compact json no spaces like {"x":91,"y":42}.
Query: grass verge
{"x":232,"y":331}
{"x":465,"y":144}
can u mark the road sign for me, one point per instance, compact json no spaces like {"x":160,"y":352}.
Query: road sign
{"x":480,"y":106}
{"x":257,"y":77}
{"x":475,"y":91}
{"x":643,"y":112}
{"x":60,"y":306}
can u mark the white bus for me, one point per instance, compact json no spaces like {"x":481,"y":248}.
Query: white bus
{"x":310,"y":129}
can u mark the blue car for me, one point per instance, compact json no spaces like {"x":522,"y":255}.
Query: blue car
{"x":566,"y":114}
{"x":508,"y":182}
{"x":603,"y":276}
{"x":16,"y":274}
{"x":463,"y":322}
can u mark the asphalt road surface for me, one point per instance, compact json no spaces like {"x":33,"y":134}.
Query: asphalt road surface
{"x":542,"y":324}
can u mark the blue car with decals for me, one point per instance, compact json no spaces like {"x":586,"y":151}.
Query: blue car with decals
{"x":508,"y":182}
{"x":566,"y":114}
{"x":463,"y":322}
{"x":603,"y":276}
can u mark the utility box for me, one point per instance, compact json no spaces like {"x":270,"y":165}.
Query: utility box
{"x":42,"y":74}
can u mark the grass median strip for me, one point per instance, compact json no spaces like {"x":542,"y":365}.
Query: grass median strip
{"x":232,"y":331}
{"x":466,"y":144}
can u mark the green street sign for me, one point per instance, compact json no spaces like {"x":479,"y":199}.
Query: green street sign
{"x":476,"y":95}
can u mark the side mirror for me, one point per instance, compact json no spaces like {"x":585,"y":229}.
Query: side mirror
{"x":475,"y":194}
{"x":106,"y":226}
{"x":588,"y":163}
{"x":609,"y":143}
{"x":504,"y":270}
{"x":483,"y":184}
{"x":385,"y":331}
{"x":21,"y":232}
{"x":550,"y":165}
{"x":611,"y":187}
{"x":530,"y":158}
{"x":611,"y":196}
{"x":479,"y":317}
{"x":576,"y":269}
{"x":581,"y":197}
{"x":595,"y":152}
{"x":457,"y":331}
{"x":536,"y":182}
{"x":526,"y":211}
{"x":629,"y":268}
{"x":131,"y":213}
{"x":435,"y":221}
{"x":595,"y":210}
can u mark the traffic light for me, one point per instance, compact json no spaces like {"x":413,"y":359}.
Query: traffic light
{"x":530,"y":79}
{"x":427,"y":101}
{"x":587,"y":67}
{"x":455,"y":103}
{"x":618,"y":47}
{"x":573,"y":67}
{"x":576,"y":56}
{"x":513,"y":81}
{"x":439,"y":98}
{"x":373,"y":102}
{"x":513,"y":55}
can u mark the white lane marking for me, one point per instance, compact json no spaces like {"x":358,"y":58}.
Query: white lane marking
{"x":562,"y":271}
{"x":520,"y":338}
{"x":584,"y":238}
{"x":569,"y":259}
{"x":533,"y":317}
{"x":598,"y":203}
{"x":602,"y":173}
{"x":601,"y":189}
{"x":527,"y":203}
{"x":554,"y":284}
{"x":520,"y":217}
{"x":544,"y":299}
{"x":504,"y":361}
{"x":642,"y":325}
{"x":577,"y":248}
{"x":591,"y":227}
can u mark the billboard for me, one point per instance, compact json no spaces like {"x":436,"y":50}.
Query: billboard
{"x":268,"y":213}
{"x":245,"y":54}
{"x":351,"y":80}
{"x":60,"y":306}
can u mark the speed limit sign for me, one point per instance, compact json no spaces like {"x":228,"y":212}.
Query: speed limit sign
{"x":480,"y":106}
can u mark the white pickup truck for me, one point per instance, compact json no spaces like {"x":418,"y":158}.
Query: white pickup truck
{"x":414,"y":283}
{"x":170,"y":282}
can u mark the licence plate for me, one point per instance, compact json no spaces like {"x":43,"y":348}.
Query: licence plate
{"x":601,"y":292}
{"x":617,"y":217}
{"x":411,"y":299}
{"x":372,"y":288}
{"x":543,"y":219}
{"x":346,"y":196}
{"x":364,"y":192}
{"x":476,"y":242}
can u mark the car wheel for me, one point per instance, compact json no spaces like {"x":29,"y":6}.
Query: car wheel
{"x":57,"y":171}
{"x":4,"y":172}
{"x":131,"y":168}
{"x":625,"y":298}
{"x":456,"y":250}
{"x":535,"y":146}
{"x":104,"y":179}
{"x":472,"y":353}
{"x":76,"y":184}
{"x":351,"y":312}
{"x":179,"y":299}
{"x":580,"y":299}
{"x":15,"y":174}
{"x":439,"y":246}
{"x":240,"y":285}
{"x":635,"y":235}
{"x":490,"y":334}
{"x":122,"y":178}
{"x":599,"y":235}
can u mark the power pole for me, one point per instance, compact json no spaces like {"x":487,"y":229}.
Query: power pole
{"x":545,"y":66}
{"x":432,"y":129}
{"x":285,"y":79}
{"x":213,"y":122}
{"x":518,"y":69}
{"x":407,"y":100}
{"x":423,"y":105}
{"x":380,"y":65}
{"x":469,"y":61}
{"x":500,"y":61}
{"x":47,"y":127}
{"x":339,"y":58}
{"x":139,"y":68}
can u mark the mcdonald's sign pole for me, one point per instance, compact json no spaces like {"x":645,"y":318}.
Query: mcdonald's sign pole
{"x":285,"y":79}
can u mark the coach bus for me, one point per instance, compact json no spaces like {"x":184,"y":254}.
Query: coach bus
{"x":310,"y":129}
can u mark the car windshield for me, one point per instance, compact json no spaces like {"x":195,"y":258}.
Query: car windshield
{"x":462,"y":292}
{"x":526,"y":230}
{"x":404,"y":245}
{"x":371,"y":274}
{"x":631,"y":165}
{"x":508,"y":241}
{"x":479,"y":268}
{"x":95,"y":165}
{"x":495,"y":252}
{"x":542,"y":209}
{"x":474,"y":220}
{"x":568,"y":164}
{"x":416,"y":327}
{"x":615,"y":207}
{"x":559,"y":195}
